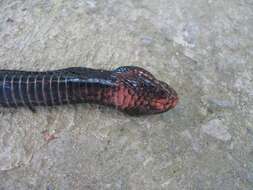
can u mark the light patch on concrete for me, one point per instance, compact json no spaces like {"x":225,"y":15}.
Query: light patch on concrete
{"x":216,"y":129}
{"x":91,"y":3}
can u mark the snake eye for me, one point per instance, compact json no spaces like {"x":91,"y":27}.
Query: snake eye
{"x":163,"y":93}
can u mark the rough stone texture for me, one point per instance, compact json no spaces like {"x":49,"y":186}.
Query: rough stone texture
{"x":203,"y":48}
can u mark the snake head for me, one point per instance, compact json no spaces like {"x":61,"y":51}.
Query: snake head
{"x":163,"y":97}
{"x":143,"y":92}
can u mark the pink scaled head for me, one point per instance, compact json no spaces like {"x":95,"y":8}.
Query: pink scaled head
{"x":143,"y":92}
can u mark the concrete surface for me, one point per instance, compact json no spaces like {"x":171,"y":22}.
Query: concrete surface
{"x":203,"y":48}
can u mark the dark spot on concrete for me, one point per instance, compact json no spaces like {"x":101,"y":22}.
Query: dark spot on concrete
{"x":10,"y":20}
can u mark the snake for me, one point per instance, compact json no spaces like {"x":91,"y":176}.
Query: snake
{"x":130,"y":89}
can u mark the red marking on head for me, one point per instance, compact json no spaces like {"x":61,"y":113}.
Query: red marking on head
{"x":127,"y":99}
{"x":119,"y":96}
{"x":162,"y":101}
{"x":159,"y":106}
{"x":163,"y":104}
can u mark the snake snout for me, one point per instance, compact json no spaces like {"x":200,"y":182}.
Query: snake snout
{"x":166,"y":98}
{"x":169,"y":92}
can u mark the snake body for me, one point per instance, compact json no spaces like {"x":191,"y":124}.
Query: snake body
{"x":130,"y":89}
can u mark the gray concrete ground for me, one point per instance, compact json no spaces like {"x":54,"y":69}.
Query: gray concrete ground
{"x":203,"y":48}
